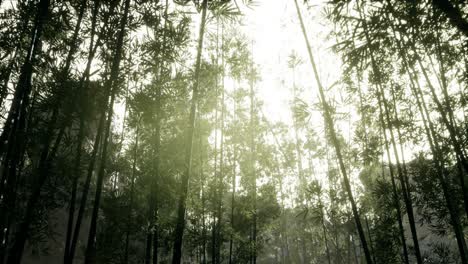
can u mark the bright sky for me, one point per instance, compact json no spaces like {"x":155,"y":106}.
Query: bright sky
{"x":274,"y":27}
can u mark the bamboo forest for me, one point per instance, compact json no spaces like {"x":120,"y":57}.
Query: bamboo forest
{"x":233,"y":131}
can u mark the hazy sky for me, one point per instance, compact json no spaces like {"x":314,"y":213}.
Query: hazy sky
{"x":274,"y":27}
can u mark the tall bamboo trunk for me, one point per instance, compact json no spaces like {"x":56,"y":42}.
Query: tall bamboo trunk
{"x":89,"y":172}
{"x":86,"y":186}
{"x":9,"y":69}
{"x":233,"y":183}
{"x":150,"y":236}
{"x":334,"y":139}
{"x":132,"y":194}
{"x":438,"y":161}
{"x":220,"y":191}
{"x":16,"y":251}
{"x":252,"y":167}
{"x":46,"y":158}
{"x":180,"y":226}
{"x":445,"y":112}
{"x":149,"y":247}
{"x":73,"y":233}
{"x":157,"y":160}
{"x":216,"y":178}
{"x":401,"y":175}
{"x":111,"y":90}
{"x":324,"y":228}
{"x":283,"y":233}
{"x":284,"y":236}
{"x":364,"y":124}
{"x":19,"y":104}
{"x":396,"y":197}
{"x":448,"y":120}
{"x":442,"y":173}
{"x":370,"y":239}
{"x":77,"y":163}
{"x":82,"y":94}
{"x":221,"y":148}
{"x":233,"y":200}
{"x":13,"y":134}
{"x":157,"y":147}
{"x":203,"y":199}
{"x":435,"y":149}
{"x":445,"y":119}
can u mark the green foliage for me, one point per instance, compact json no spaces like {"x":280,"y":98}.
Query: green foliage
{"x":402,"y":86}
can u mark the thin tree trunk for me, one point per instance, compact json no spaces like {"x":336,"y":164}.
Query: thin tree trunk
{"x":132,"y":191}
{"x":233,"y":197}
{"x":157,"y":145}
{"x":180,"y":226}
{"x":403,"y":181}
{"x":334,"y":138}
{"x":435,"y":149}
{"x":438,"y":160}
{"x":46,"y":159}
{"x":86,"y":186}
{"x":111,"y":90}
{"x":221,"y":157}
{"x":82,"y":94}
{"x":452,"y":131}
{"x":401,"y":175}
{"x":233,"y":180}
{"x":154,"y":219}
{"x":283,"y":232}
{"x":252,"y":167}
{"x":220,"y":193}
{"x":203,"y":199}
{"x":87,"y":183}
{"x":356,"y":259}
{"x":370,"y":239}
{"x":77,"y":171}
{"x":13,"y":134}
{"x":216,"y":176}
{"x":284,"y":235}
{"x":364,"y":124}
{"x":396,"y":197}
{"x":324,"y":228}
{"x":16,"y":252}
{"x":441,"y":173}
{"x":152,"y":196}
{"x":23,"y":89}
{"x":4,"y":89}
{"x":447,"y":121}
{"x":149,"y":248}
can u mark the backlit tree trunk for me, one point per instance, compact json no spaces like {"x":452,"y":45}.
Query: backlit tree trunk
{"x":181,"y":207}
{"x":334,"y":140}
